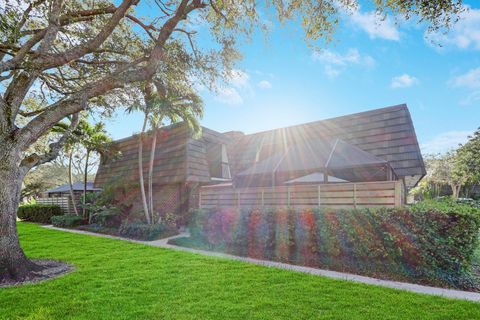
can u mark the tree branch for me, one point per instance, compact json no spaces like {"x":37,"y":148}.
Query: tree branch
{"x":34,"y":160}
{"x":51,"y":61}
{"x":118,"y":79}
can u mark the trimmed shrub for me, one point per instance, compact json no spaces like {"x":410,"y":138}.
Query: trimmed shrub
{"x":240,"y":233}
{"x":306,"y":238}
{"x":67,"y":221}
{"x":284,"y":244}
{"x":431,"y":242}
{"x":198,"y":224}
{"x":143,"y":231}
{"x":261,"y":234}
{"x":41,"y":213}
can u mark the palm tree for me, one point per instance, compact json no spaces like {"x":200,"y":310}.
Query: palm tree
{"x":95,"y":140}
{"x":69,"y":148}
{"x":172,"y":104}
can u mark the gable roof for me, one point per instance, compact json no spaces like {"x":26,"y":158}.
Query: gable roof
{"x":76,"y":186}
{"x":385,"y":133}
{"x":314,"y":155}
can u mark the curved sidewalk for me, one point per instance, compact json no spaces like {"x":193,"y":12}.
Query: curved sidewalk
{"x":162,"y":243}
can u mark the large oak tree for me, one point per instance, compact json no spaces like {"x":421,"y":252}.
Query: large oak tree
{"x":73,"y":55}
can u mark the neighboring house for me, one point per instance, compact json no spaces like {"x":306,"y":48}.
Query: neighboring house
{"x":64,"y":190}
{"x":61,"y":195}
{"x":376,"y":145}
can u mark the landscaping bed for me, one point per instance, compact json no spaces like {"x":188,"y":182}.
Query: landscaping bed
{"x":431,"y":243}
{"x":137,"y":231}
{"x":122,"y":280}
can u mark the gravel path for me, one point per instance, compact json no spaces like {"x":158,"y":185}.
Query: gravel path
{"x":162,"y":243}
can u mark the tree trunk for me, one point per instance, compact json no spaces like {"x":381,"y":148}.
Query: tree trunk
{"x":140,"y":170}
{"x":72,"y":194}
{"x":150,"y":174}
{"x":85,"y":178}
{"x":13,"y":262}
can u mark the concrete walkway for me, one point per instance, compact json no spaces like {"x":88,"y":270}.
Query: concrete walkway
{"x":163,"y":243}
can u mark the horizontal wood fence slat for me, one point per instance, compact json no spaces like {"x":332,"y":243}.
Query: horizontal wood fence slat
{"x":62,"y":202}
{"x":336,"y":196}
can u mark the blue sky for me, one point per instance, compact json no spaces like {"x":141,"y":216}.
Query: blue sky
{"x":370,"y":64}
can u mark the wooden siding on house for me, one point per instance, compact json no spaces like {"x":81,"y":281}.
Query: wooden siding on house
{"x":180,"y":157}
{"x":170,"y":156}
{"x":197,"y":165}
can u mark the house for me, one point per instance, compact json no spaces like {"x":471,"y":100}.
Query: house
{"x":61,"y":195}
{"x":372,"y":146}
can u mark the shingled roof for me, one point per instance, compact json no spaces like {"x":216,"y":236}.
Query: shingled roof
{"x":313,"y":155}
{"x":385,"y":133}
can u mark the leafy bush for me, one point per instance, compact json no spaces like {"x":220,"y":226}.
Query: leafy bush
{"x":431,"y":242}
{"x":143,"y":231}
{"x":40,"y":213}
{"x":67,"y":221}
{"x":107,"y":217}
{"x":261,"y":234}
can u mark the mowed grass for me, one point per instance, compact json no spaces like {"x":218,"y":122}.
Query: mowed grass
{"x":120,"y":280}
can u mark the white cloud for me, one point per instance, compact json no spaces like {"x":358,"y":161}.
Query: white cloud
{"x":445,"y":142}
{"x":331,"y":72}
{"x":470,"y":99}
{"x":229,"y":96}
{"x":465,"y":34}
{"x":470,"y":80}
{"x":239,"y":78}
{"x":403,"y":81}
{"x":335,"y":62}
{"x":236,"y":87}
{"x":264,"y":84}
{"x":375,"y":25}
{"x":239,"y":86}
{"x":330,"y":57}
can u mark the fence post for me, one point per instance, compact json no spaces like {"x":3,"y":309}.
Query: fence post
{"x":319,"y":196}
{"x":288,"y":196}
{"x":355,"y":195}
{"x":398,"y":193}
{"x":263,"y":197}
{"x":238,"y":199}
{"x":200,"y":198}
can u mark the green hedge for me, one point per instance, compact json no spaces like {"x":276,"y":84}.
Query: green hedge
{"x":431,"y":242}
{"x":67,"y":221}
{"x":143,"y":231}
{"x":41,"y":213}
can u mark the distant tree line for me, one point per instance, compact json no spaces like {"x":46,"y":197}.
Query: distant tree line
{"x":455,"y":173}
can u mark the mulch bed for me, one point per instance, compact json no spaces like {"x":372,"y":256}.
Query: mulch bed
{"x":51,"y":269}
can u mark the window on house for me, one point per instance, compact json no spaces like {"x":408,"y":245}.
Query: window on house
{"x":218,"y":161}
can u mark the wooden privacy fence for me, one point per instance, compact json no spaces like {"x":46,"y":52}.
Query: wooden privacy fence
{"x":62,"y":202}
{"x":336,"y":196}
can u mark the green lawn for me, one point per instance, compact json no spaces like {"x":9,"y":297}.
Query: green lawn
{"x":121,"y":280}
